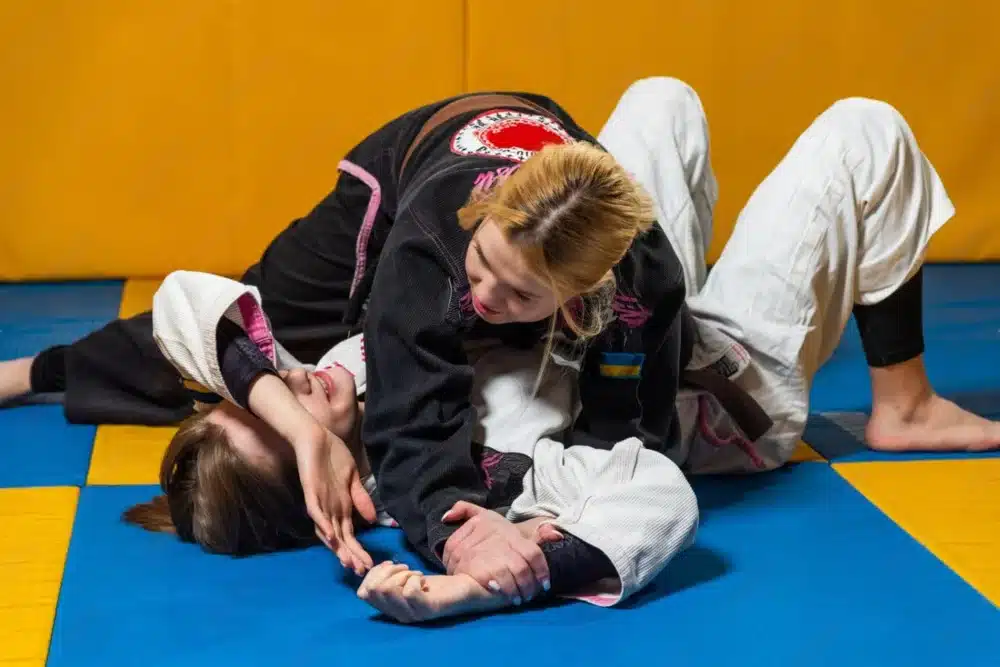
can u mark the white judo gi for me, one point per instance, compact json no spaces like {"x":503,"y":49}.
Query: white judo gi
{"x":633,"y":504}
{"x":844,"y":218}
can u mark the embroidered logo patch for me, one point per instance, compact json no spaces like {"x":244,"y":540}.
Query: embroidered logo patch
{"x":512,"y":135}
{"x":622,"y":365}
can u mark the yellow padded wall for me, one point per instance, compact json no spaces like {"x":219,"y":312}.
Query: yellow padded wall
{"x":764,"y":70}
{"x":139,"y":137}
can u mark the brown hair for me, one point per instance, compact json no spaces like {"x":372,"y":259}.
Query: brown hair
{"x":214,"y":498}
{"x":575,"y":212}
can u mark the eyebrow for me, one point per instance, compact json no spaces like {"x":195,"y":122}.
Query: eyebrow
{"x":482,"y":258}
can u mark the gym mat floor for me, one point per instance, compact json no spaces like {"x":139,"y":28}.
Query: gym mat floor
{"x":844,"y":558}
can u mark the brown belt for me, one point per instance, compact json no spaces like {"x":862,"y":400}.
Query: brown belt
{"x":740,"y":405}
{"x":743,"y":409}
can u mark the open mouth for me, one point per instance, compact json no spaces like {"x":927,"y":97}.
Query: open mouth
{"x":326,"y":381}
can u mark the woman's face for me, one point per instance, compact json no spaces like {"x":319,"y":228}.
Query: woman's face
{"x":504,"y":289}
{"x":329,"y":395}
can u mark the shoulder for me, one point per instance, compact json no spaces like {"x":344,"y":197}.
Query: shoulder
{"x":649,"y":276}
{"x":422,"y":271}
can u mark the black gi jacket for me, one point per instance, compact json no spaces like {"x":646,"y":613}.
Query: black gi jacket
{"x":413,"y":306}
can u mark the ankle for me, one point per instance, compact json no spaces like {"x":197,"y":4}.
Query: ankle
{"x":15,"y":377}
{"x":901,"y":388}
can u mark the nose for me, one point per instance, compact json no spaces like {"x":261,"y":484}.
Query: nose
{"x":489,"y":294}
{"x":297,"y":380}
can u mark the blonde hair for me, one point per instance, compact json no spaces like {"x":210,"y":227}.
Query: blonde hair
{"x":574,"y":211}
{"x":214,"y":498}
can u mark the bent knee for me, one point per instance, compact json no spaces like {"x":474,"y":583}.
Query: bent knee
{"x":660,"y":90}
{"x":866,"y":115}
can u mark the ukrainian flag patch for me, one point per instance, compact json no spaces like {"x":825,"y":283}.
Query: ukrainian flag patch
{"x":622,"y":365}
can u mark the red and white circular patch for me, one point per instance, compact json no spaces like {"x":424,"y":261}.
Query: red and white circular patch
{"x":511,"y":135}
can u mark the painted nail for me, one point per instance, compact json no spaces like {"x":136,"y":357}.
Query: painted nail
{"x":546,"y":584}
{"x":494,"y":586}
{"x":517,"y":600}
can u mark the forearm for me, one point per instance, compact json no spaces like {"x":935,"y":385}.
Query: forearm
{"x":273,"y":402}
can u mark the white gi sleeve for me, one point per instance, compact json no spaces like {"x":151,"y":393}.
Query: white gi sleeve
{"x":187,"y":309}
{"x":632,"y":503}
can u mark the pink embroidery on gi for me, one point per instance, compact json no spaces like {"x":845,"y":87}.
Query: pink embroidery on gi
{"x":487,"y":180}
{"x":488,"y":463}
{"x":465,"y":303}
{"x":630,"y":311}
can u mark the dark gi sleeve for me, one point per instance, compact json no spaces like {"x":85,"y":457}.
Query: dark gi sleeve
{"x":419,"y":418}
{"x":240,"y":361}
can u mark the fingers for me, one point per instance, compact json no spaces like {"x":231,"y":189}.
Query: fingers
{"x":460,"y":540}
{"x":361,"y":557}
{"x":318,"y":514}
{"x":502,"y":582}
{"x":534,"y":576}
{"x":396,"y":591}
{"x":322,"y":538}
{"x":548,"y":533}
{"x":362,"y":501}
{"x":461,"y":511}
{"x":377,"y":577}
{"x":414,"y":586}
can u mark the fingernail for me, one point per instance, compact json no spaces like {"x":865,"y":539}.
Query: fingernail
{"x":494,"y":586}
{"x":517,"y":600}
{"x":546,"y":584}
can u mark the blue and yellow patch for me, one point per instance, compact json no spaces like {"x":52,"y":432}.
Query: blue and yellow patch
{"x":622,"y":365}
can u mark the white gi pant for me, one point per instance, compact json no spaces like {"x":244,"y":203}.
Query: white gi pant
{"x":844,"y":218}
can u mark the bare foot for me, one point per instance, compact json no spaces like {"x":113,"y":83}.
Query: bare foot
{"x":408,"y":596}
{"x":930,"y":423}
{"x":15,"y":378}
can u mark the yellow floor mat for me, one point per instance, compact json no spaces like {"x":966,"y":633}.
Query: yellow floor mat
{"x":950,"y":506}
{"x":35,"y":525}
{"x":137,"y":296}
{"x":128,"y":454}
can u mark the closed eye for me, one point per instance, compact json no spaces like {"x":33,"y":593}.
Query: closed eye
{"x":524,"y":296}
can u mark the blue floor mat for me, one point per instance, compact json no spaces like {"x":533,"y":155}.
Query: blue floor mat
{"x":790,"y":568}
{"x":37,"y":447}
{"x":34,"y":316}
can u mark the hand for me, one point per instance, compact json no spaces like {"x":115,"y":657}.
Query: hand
{"x":495,"y":553}
{"x":333,"y":489}
{"x":410,"y":597}
{"x":330,"y":481}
